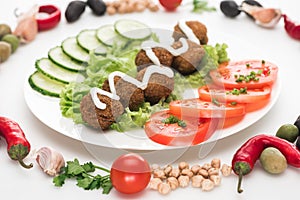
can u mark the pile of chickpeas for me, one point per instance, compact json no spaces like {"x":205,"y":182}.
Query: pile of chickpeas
{"x":130,"y":6}
{"x":206,"y":177}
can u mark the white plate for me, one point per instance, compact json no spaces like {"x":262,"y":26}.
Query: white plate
{"x":47,"y":110}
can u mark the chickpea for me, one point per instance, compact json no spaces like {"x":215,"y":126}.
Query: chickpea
{"x":216,"y":163}
{"x":111,"y":10}
{"x":206,"y":166}
{"x":216,"y":179}
{"x":183,"y":165}
{"x":183,"y":181}
{"x":187,"y":172}
{"x":195,"y":169}
{"x":173,"y":182}
{"x":203,"y":173}
{"x":197,"y":181}
{"x":207,"y":185}
{"x":154,"y":182}
{"x":175,"y":172}
{"x":226,"y":170}
{"x":168,"y":169}
{"x":213,"y":171}
{"x":164,"y":188}
{"x":159,"y":173}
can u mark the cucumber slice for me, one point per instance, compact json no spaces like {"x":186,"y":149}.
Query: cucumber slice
{"x":54,"y":71}
{"x":132,"y":29}
{"x":107,"y":35}
{"x":57,"y":56}
{"x":72,"y":49}
{"x":87,"y":40}
{"x":45,"y":85}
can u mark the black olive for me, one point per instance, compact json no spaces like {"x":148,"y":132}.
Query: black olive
{"x":298,"y":143}
{"x":251,"y":3}
{"x":74,"y":10}
{"x":98,"y":6}
{"x":230,"y":8}
{"x":297,"y":122}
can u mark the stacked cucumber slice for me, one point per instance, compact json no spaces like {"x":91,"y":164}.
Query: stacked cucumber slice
{"x":67,"y":62}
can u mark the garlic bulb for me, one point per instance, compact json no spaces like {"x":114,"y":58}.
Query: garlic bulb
{"x":50,"y":160}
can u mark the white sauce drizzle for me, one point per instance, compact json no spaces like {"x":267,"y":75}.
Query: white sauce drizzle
{"x":147,"y":46}
{"x":188,"y":31}
{"x":143,"y":85}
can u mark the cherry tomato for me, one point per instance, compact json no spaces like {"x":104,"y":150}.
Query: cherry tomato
{"x":248,"y":73}
{"x":242,"y":95}
{"x":130,"y":173}
{"x":196,"y":130}
{"x":206,"y":109}
{"x":170,"y":5}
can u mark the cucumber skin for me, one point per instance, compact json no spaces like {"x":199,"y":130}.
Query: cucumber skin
{"x":45,"y":74}
{"x":67,"y":68}
{"x":36,"y":88}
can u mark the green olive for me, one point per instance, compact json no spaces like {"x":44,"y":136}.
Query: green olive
{"x":12,"y":40}
{"x":4,"y":29}
{"x":273,"y":161}
{"x":288,"y":132}
{"x":5,"y":51}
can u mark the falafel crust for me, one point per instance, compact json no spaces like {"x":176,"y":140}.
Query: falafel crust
{"x":198,"y":28}
{"x":159,"y":86}
{"x":97,"y":118}
{"x":188,"y":62}
{"x":130,"y":95}
{"x":142,"y":60}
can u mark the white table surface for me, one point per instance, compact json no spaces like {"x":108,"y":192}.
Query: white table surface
{"x":254,"y":42}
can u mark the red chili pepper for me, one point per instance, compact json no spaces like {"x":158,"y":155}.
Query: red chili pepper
{"x":53,"y":18}
{"x":291,"y":28}
{"x":17,"y":145}
{"x":244,"y":159}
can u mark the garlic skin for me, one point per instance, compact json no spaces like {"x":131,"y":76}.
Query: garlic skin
{"x":50,"y":160}
{"x":27,"y":27}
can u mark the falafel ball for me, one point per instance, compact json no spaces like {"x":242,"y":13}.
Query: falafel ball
{"x":159,"y":86}
{"x":142,"y":60}
{"x":130,"y":95}
{"x":98,"y":118}
{"x":188,"y":62}
{"x":198,"y":28}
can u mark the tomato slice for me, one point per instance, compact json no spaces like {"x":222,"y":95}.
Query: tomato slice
{"x":207,"y":93}
{"x":237,"y":74}
{"x":196,"y":130}
{"x":206,"y":109}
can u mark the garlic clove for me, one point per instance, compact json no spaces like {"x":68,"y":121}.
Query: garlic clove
{"x":265,"y":17}
{"x":50,"y":160}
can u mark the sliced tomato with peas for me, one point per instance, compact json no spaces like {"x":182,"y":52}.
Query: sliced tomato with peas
{"x":241,"y":95}
{"x":198,"y":108}
{"x":248,"y":73}
{"x":194,"y":130}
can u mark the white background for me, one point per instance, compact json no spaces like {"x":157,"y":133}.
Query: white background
{"x":245,"y":39}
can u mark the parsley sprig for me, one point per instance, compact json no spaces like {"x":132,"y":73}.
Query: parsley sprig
{"x":84,"y":176}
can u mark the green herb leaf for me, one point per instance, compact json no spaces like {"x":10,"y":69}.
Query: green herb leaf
{"x":59,"y":180}
{"x":83,"y":176}
{"x":74,"y":168}
{"x":84,"y":183}
{"x":201,"y":6}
